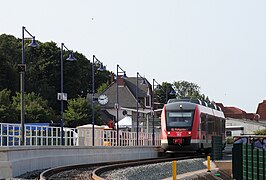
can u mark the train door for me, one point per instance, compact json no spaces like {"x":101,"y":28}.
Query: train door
{"x":210,"y":124}
{"x":203,"y":126}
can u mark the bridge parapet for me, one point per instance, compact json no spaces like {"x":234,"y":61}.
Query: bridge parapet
{"x":15,"y":161}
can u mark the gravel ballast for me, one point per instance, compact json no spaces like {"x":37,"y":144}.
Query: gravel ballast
{"x":155,"y":171}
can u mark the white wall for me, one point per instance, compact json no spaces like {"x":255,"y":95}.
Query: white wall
{"x":15,"y":161}
{"x":249,"y":126}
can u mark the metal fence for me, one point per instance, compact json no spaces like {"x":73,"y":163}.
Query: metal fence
{"x":249,"y":157}
{"x":108,"y":137}
{"x":45,"y":135}
{"x":36,"y":135}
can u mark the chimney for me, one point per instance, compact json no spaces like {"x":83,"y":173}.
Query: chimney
{"x":112,"y":77}
{"x":121,"y":81}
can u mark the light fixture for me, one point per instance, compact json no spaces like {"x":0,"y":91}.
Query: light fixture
{"x":101,"y":68}
{"x":62,"y":99}
{"x":22,"y":68}
{"x":117,"y":100}
{"x":71,"y":57}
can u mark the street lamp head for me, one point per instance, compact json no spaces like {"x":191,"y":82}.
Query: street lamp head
{"x":101,"y":68}
{"x":33,"y":43}
{"x":143,"y":81}
{"x":172,"y":92}
{"x":71,"y":57}
{"x":124,"y":75}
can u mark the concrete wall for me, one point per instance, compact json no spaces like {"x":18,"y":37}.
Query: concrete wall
{"x":249,"y":125}
{"x":15,"y":161}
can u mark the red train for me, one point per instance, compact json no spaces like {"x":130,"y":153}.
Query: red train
{"x":188,"y":125}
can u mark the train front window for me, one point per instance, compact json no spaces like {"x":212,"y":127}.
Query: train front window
{"x":179,"y":120}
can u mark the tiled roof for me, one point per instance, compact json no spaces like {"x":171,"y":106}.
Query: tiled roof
{"x":261,"y":110}
{"x":126,"y":93}
{"x":131,"y":82}
{"x":233,"y":110}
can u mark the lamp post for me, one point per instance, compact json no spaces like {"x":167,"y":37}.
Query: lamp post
{"x":137,"y":103}
{"x":62,"y":98}
{"x":22,"y":69}
{"x":171,"y":92}
{"x":101,"y":68}
{"x":153,"y":85}
{"x":117,"y":101}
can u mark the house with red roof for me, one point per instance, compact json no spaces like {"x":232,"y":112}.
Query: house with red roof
{"x":261,"y":110}
{"x":237,"y":113}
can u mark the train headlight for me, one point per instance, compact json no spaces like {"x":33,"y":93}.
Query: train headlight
{"x":189,"y":132}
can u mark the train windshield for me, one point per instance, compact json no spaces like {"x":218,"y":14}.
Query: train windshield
{"x":179,"y":120}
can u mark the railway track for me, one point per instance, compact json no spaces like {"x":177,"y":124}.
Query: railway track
{"x":97,"y":170}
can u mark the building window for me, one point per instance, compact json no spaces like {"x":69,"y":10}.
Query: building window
{"x":148,"y":101}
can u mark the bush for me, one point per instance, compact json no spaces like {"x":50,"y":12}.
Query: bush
{"x":260,"y":132}
{"x":229,"y":140}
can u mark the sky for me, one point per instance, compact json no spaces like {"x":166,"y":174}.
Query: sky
{"x":219,"y":45}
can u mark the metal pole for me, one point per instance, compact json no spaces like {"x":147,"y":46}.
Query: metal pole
{"x":62,"y":101}
{"x":116,"y":106}
{"x":166,"y":96}
{"x":208,"y":163}
{"x":174,"y":169}
{"x":92,"y":101}
{"x":153,"y":141}
{"x":22,"y":82}
{"x":137,"y":97}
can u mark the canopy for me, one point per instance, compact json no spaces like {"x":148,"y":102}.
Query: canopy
{"x":125,"y":122}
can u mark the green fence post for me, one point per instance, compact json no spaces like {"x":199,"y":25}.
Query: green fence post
{"x":217,"y":146}
{"x":263,"y":165}
{"x":237,"y":161}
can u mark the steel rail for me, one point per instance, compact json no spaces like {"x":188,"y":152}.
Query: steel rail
{"x":96,"y":174}
{"x":52,"y":171}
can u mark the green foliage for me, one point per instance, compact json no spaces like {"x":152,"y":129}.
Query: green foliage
{"x":162,"y":93}
{"x":10,"y":56}
{"x":36,"y":109}
{"x":79,"y":113}
{"x":186,"y":89}
{"x":102,"y":87}
{"x":6,"y":109}
{"x":182,"y":88}
{"x":43,"y":72}
{"x":260,"y":132}
{"x":229,"y":140}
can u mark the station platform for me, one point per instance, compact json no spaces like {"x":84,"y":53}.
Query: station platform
{"x":217,"y":167}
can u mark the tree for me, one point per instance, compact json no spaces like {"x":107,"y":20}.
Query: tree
{"x":36,"y":109}
{"x":186,"y":89}
{"x":79,"y":113}
{"x":10,"y":54}
{"x":6,"y":109}
{"x":162,"y":93}
{"x":102,"y":87}
{"x":183,"y":89}
{"x":43,"y":71}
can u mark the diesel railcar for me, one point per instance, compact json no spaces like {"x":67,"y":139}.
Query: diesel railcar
{"x":188,"y":125}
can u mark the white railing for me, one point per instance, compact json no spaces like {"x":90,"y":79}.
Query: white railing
{"x":108,"y":138}
{"x":36,"y":135}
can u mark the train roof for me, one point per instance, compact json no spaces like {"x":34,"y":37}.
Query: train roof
{"x":211,"y":105}
{"x":189,"y":103}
